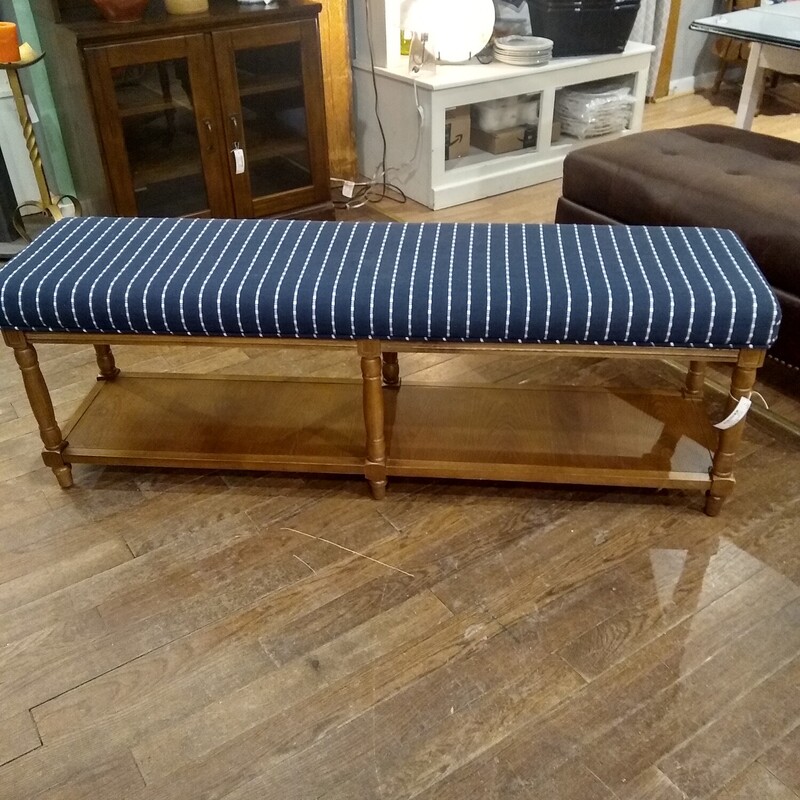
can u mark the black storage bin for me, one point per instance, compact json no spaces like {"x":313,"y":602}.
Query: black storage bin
{"x":583,"y":27}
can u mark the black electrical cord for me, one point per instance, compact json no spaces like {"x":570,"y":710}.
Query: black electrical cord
{"x":364,"y":193}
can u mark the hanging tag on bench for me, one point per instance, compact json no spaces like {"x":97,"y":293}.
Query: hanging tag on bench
{"x":238,"y":158}
{"x":737,"y":415}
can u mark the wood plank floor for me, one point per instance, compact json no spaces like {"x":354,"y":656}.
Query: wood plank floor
{"x":170,"y":634}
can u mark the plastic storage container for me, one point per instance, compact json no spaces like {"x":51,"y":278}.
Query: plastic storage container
{"x":584,"y":27}
{"x":594,"y":109}
{"x":506,"y":112}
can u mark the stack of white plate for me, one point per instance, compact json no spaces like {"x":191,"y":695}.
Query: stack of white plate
{"x":524,"y":51}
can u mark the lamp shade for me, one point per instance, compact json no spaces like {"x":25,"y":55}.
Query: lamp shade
{"x":457,"y":29}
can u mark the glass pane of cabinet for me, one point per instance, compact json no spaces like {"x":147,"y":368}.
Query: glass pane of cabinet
{"x":159,"y":127}
{"x":273,"y":118}
{"x":227,"y":122}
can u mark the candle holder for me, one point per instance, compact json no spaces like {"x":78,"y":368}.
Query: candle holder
{"x":48,"y":203}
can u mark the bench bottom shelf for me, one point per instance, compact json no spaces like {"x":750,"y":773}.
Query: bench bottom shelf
{"x":555,"y":435}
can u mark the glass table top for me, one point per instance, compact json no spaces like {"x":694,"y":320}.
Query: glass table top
{"x":777,"y":24}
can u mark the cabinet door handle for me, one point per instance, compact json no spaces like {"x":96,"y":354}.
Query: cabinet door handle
{"x":235,"y":122}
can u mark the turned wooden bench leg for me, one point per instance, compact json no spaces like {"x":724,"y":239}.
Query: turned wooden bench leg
{"x":105,"y":363}
{"x":371,"y":373}
{"x":722,"y":480}
{"x":695,"y":379}
{"x":41,"y":405}
{"x":391,"y":370}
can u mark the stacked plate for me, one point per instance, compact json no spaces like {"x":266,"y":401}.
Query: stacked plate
{"x":523,"y":51}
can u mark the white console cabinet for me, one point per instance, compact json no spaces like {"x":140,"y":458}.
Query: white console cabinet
{"x":412,"y":111}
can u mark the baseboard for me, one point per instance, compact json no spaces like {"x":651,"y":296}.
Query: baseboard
{"x":705,"y":80}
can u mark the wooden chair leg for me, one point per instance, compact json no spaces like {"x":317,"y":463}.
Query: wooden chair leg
{"x":41,"y":405}
{"x":722,"y":480}
{"x":695,"y":379}
{"x":391,"y":369}
{"x":105,"y":363}
{"x":723,"y":66}
{"x":371,"y":373}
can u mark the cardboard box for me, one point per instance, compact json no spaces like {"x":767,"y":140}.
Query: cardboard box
{"x":506,"y":140}
{"x":456,"y":132}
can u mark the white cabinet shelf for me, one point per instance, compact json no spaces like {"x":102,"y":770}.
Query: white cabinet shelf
{"x":412,"y":112}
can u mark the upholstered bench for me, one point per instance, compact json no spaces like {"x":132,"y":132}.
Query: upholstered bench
{"x":707,"y":175}
{"x":379,"y":289}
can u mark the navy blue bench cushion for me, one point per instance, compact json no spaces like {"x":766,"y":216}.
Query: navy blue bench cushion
{"x":433,"y":281}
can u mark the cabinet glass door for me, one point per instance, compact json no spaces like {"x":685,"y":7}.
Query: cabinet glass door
{"x":159,"y":128}
{"x":276,"y":141}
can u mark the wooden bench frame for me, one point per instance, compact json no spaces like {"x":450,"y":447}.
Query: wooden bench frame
{"x":388,"y":439}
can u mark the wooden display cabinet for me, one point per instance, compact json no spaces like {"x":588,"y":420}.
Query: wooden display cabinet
{"x":173,"y":98}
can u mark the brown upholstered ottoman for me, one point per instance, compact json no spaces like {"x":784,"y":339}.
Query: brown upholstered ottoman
{"x":705,"y":175}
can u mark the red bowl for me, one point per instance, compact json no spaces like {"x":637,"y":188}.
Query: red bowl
{"x":122,"y":10}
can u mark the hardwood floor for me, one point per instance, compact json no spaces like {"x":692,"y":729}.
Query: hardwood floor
{"x":175,"y":635}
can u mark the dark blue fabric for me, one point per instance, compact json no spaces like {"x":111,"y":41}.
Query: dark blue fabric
{"x":433,"y":281}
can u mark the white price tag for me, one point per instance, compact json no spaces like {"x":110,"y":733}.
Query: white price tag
{"x":238,"y":159}
{"x":737,"y":415}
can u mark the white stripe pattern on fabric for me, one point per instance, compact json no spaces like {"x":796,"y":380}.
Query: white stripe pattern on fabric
{"x":650,"y":298}
{"x":528,"y":298}
{"x":61,"y":280}
{"x":657,"y":258}
{"x":49,"y":272}
{"x":599,"y":251}
{"x":23,"y":259}
{"x":334,"y":291}
{"x":749,"y":287}
{"x":193,"y":224}
{"x":394,"y":277}
{"x":103,"y":271}
{"x":286,"y":266}
{"x":586,"y":281}
{"x":624,"y":272}
{"x":317,"y":282}
{"x":763,"y":281}
{"x":566,"y":281}
{"x":546,"y":271}
{"x":357,"y":276}
{"x":488,"y":279}
{"x":726,"y":281}
{"x":299,"y":280}
{"x":469,"y":279}
{"x":262,"y":280}
{"x":686,"y":280}
{"x":88,"y":269}
{"x":250,"y":267}
{"x":413,"y":279}
{"x":186,"y":283}
{"x":237,"y":258}
{"x":433,"y":272}
{"x":119,"y":275}
{"x":508,"y":285}
{"x":378,"y":266}
{"x":450,"y":278}
{"x":212,"y":271}
{"x":710,"y":288}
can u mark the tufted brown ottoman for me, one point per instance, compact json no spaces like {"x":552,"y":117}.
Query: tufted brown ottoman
{"x":705,"y":175}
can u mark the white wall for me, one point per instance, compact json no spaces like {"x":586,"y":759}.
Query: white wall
{"x":694,"y":64}
{"x":12,"y":145}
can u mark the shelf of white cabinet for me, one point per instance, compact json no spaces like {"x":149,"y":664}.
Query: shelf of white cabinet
{"x":412,"y":112}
